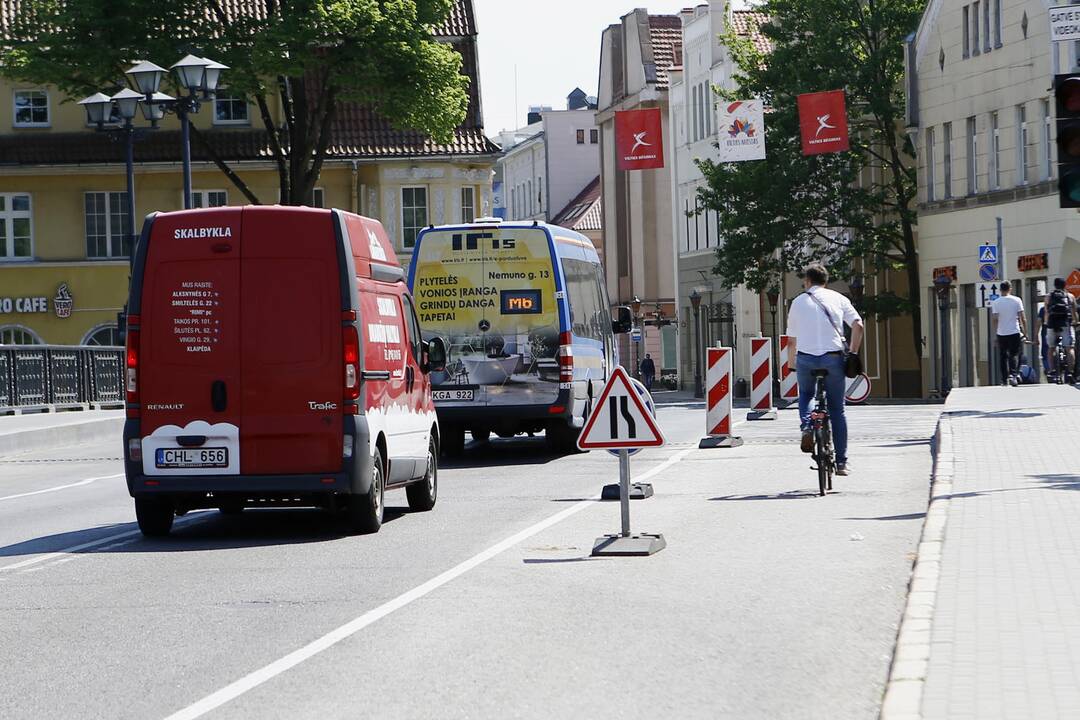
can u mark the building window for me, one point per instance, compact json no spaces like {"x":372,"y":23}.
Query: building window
{"x":106,"y":335}
{"x":986,"y":25}
{"x":931,"y":193}
{"x":209,"y":198}
{"x":995,"y":153}
{"x":107,"y":231}
{"x":413,"y":214}
{"x":16,"y":233}
{"x":1021,"y":145}
{"x":594,"y":136}
{"x":230,"y":109}
{"x":539,"y":193}
{"x":580,"y":137}
{"x":967,"y":31}
{"x":997,"y":23}
{"x":513,"y":203}
{"x":706,"y":108}
{"x":468,"y":204}
{"x":1047,"y":160}
{"x":31,"y":108}
{"x":947,"y":127}
{"x":531,"y":206}
{"x":18,"y":335}
{"x":315,"y":199}
{"x":976,"y":47}
{"x":972,"y":157}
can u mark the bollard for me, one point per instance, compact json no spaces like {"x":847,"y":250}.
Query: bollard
{"x":789,"y":382}
{"x":761,"y":407}
{"x":718,"y":394}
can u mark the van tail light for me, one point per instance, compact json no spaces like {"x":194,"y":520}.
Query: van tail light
{"x":351,"y":353}
{"x":131,"y":369}
{"x":135,"y":450}
{"x":566,"y":358}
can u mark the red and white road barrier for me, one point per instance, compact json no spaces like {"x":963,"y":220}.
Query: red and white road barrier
{"x":718,"y":399}
{"x":789,"y":383}
{"x":761,"y":380}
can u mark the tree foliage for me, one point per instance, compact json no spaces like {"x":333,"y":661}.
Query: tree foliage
{"x":854,"y":211}
{"x":298,"y":60}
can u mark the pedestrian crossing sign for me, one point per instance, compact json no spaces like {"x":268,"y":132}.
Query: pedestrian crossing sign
{"x":988,"y":253}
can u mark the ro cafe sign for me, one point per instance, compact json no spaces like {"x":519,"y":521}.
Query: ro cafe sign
{"x":63,"y":302}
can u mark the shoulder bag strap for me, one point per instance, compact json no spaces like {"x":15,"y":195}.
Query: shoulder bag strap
{"x":831,"y":321}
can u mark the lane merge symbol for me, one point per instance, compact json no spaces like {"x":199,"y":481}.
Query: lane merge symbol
{"x":620,"y":421}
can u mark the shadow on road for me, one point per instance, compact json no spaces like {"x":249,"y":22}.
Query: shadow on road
{"x":500,"y":452}
{"x":1059,"y":481}
{"x":207,"y":530}
{"x":791,"y":495}
{"x":909,"y":516}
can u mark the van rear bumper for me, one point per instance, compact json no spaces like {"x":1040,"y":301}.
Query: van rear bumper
{"x":354,"y":476}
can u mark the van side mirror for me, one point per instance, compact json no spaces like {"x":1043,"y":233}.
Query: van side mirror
{"x":623,"y":322}
{"x":435,"y":360}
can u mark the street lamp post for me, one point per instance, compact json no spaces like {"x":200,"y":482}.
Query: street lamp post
{"x":635,"y":305}
{"x":695,"y":303}
{"x":943,"y":284}
{"x":773,"y":296}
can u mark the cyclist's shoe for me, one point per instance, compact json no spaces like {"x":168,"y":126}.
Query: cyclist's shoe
{"x":807,"y":442}
{"x":842,"y":469}
{"x":1012,"y":380}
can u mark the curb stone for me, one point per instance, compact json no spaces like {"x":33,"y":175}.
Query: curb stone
{"x":62,"y":436}
{"x":907,"y":675}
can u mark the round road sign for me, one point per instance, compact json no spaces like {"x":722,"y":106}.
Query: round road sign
{"x":858,"y":389}
{"x":988,"y":273}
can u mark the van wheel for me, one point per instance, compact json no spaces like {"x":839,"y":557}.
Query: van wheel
{"x":365,"y":512}
{"x":155,"y":516}
{"x":481,"y":435}
{"x":562,"y":438}
{"x":453,"y":440}
{"x":422,"y":494}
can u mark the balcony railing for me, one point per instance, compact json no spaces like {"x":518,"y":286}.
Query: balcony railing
{"x":60,"y":377}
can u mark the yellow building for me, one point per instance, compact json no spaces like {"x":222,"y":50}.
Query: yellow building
{"x":63,"y":260}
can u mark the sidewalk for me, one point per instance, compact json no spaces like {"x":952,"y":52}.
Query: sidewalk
{"x":992,"y":625}
{"x":41,"y":431}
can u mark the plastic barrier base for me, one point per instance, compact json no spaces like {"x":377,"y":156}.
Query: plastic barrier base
{"x":720,"y":441}
{"x":761,"y":415}
{"x":638,"y":491}
{"x":637,"y":545}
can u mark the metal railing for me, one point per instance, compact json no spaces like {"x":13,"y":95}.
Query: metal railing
{"x":59,"y":377}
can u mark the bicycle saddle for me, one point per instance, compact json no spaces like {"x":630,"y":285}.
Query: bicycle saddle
{"x":821,"y":372}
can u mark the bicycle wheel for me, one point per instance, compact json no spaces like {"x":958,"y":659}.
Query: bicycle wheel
{"x":830,"y":458}
{"x":822,"y":458}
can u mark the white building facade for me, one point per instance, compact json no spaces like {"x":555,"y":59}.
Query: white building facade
{"x":981,"y":110}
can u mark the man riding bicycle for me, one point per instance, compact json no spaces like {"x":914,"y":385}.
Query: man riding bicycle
{"x":1060,"y":318}
{"x":815,"y":324}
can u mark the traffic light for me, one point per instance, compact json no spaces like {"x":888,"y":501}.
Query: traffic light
{"x":1067,"y":97}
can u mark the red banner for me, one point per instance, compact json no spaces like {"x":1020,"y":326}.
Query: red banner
{"x":639,"y":139}
{"x":823,"y":121}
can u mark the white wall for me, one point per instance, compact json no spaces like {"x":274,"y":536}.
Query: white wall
{"x":570,"y":167}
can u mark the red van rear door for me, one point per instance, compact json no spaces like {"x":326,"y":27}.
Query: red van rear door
{"x":291,"y":343}
{"x":189,"y":365}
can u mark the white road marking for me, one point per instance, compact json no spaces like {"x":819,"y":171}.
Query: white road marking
{"x":262,"y":675}
{"x":62,"y":487}
{"x":95,"y":543}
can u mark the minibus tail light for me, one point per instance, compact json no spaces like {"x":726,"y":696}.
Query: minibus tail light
{"x":351,"y":352}
{"x":566,"y":358}
{"x":131,"y":372}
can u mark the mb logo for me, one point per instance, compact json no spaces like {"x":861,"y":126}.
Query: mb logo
{"x":471,"y":241}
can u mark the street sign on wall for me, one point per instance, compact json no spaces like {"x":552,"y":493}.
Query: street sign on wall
{"x":1064,"y":23}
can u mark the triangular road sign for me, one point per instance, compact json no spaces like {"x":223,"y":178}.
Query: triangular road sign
{"x":619,"y":419}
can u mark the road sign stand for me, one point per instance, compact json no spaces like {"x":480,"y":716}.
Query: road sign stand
{"x":621,"y":421}
{"x":626,"y":544}
{"x":638,"y":491}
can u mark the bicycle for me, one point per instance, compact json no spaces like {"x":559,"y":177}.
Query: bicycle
{"x":1061,"y":361}
{"x":822,"y":431}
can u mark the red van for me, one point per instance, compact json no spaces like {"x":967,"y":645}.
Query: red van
{"x":274,"y":358}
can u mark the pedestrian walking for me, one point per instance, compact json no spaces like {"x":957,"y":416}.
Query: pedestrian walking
{"x":1009,"y":323}
{"x":648,"y":371}
{"x":817,"y":341}
{"x":1060,"y":318}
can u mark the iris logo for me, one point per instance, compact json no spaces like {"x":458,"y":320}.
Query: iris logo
{"x":471,"y":241}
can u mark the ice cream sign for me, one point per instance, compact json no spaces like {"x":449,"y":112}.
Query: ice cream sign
{"x":63,"y":303}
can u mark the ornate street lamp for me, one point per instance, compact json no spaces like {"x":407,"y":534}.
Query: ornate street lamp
{"x":773,"y":296}
{"x":695,"y":303}
{"x":943,"y":285}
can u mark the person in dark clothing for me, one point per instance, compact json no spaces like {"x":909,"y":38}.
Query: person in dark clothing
{"x":648,"y":371}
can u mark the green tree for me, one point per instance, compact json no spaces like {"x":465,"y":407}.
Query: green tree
{"x":854,"y":211}
{"x":308,"y":55}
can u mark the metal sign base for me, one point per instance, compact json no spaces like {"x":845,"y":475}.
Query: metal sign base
{"x":720,"y":441}
{"x":628,"y":546}
{"x":785,"y":404}
{"x":761,"y":415}
{"x":638,"y":491}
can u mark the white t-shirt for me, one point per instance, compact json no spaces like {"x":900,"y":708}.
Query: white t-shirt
{"x":814,"y":333}
{"x":1008,"y":309}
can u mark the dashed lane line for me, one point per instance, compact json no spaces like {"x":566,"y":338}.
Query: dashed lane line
{"x":264,"y":674}
{"x":62,"y":487}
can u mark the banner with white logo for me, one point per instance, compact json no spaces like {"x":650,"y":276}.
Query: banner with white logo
{"x":742,"y":131}
{"x":639,"y":139}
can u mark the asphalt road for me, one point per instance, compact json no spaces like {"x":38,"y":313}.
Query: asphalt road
{"x":768,"y":601}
